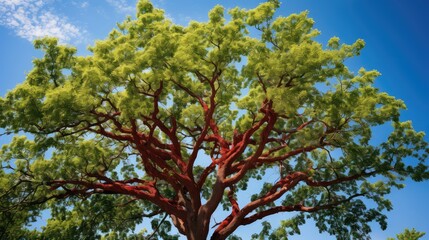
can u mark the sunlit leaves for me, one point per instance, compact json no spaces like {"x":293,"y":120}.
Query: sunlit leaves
{"x":408,"y":234}
{"x":162,"y":119}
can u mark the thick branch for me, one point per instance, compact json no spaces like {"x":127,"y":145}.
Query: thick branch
{"x":279,"y":189}
{"x":297,"y":207}
{"x":146,"y":190}
{"x":272,"y":118}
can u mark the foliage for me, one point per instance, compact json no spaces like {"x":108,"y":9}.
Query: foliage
{"x":166,"y":123}
{"x":408,"y":234}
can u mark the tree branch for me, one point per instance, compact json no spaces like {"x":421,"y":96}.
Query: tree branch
{"x":297,"y":207}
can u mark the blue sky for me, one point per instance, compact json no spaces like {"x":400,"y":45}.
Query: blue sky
{"x":396,"y":33}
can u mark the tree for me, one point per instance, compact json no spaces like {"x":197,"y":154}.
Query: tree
{"x":172,"y":123}
{"x":408,"y":234}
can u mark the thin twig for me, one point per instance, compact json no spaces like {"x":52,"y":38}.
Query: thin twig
{"x":157,"y":228}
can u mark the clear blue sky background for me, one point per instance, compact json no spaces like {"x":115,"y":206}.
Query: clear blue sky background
{"x":396,"y":33}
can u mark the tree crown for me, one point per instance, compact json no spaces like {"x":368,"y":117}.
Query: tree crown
{"x":170,"y":122}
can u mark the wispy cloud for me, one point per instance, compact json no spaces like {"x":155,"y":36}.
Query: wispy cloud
{"x":84,"y":5}
{"x":81,"y":4}
{"x":122,"y":6}
{"x":30,"y":20}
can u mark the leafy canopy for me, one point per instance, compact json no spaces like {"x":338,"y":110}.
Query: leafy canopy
{"x":408,"y":234}
{"x":173,"y":123}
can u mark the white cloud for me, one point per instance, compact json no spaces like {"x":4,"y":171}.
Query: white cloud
{"x":84,"y":5}
{"x":122,"y":6}
{"x":80,"y":4}
{"x":30,"y":20}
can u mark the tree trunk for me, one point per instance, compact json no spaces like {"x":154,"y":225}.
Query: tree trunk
{"x":197,"y":228}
